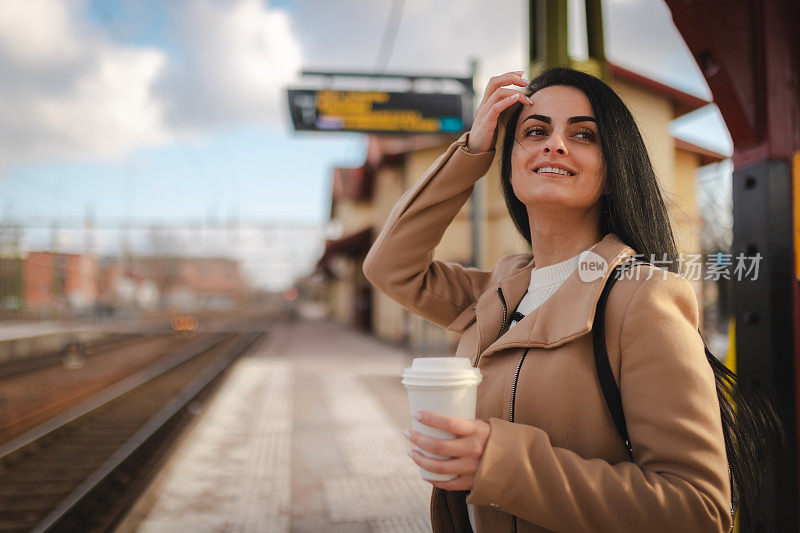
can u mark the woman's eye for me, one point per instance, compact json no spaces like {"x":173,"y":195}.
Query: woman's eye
{"x":534,"y":131}
{"x":537,"y":131}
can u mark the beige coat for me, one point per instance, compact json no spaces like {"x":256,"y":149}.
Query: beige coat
{"x":561,"y":464}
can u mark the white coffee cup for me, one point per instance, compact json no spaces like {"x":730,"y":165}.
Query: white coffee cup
{"x":444,"y":385}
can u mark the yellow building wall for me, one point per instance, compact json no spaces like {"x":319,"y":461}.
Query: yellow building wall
{"x":387,"y":188}
{"x":418,"y":161}
{"x":456,"y":242}
{"x":685,"y":214}
{"x":353,"y":216}
{"x":389,"y":319}
{"x":687,"y":223}
{"x":341,"y":299}
{"x":675,"y":174}
{"x":652,"y":114}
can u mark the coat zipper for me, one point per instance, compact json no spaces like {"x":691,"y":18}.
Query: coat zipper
{"x":511,"y":416}
{"x":505,"y":313}
{"x":516,"y":378}
{"x":514,"y":386}
{"x":447,"y":510}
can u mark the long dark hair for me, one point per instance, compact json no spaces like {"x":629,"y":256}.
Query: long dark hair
{"x":632,"y":207}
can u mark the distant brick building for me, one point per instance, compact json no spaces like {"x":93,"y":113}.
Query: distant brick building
{"x":190,"y":282}
{"x":54,"y":280}
{"x":44,"y":281}
{"x":216,"y":282}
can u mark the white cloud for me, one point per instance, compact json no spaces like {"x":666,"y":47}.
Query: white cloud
{"x":38,"y":33}
{"x":68,"y":90}
{"x":110,"y":110}
{"x":238,"y":57}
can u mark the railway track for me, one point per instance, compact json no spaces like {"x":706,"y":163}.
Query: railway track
{"x":81,"y":470}
{"x":31,"y":398}
{"x":31,"y":364}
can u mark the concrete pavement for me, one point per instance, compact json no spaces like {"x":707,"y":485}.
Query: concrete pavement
{"x":303,"y":435}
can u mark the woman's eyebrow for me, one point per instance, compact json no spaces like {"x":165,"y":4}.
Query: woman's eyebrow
{"x":570,"y":120}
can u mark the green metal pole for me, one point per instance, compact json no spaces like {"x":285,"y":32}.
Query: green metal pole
{"x":548,"y":39}
{"x":594,"y":36}
{"x":548,"y":42}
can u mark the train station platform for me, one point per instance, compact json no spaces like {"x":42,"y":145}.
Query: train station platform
{"x":305,"y":434}
{"x":13,"y":331}
{"x":22,"y":330}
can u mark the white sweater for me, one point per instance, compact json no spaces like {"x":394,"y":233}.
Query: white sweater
{"x":544,"y":282}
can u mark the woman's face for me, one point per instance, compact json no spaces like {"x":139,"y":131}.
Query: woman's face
{"x":556,"y":134}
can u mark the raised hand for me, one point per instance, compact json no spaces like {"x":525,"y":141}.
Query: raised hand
{"x":496,"y":98}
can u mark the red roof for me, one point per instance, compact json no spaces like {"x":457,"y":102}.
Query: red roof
{"x":706,"y":156}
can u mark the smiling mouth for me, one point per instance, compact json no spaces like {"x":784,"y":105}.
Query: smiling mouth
{"x":551,"y":170}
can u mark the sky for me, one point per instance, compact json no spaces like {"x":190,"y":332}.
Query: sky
{"x":170,"y":112}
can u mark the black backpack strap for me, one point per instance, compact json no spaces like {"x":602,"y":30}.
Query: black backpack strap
{"x":610,"y":389}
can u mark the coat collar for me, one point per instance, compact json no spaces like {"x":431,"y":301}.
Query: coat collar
{"x":565,"y":315}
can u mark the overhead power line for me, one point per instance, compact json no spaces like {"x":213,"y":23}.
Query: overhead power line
{"x":389,"y":35}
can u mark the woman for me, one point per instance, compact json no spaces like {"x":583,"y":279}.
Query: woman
{"x":543,"y":453}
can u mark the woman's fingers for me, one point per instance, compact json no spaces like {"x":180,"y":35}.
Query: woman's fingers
{"x":446,"y":447}
{"x":456,"y":466}
{"x":483,"y":134}
{"x":509,"y":78}
{"x":450,"y":424}
{"x":503,"y":93}
{"x":464,"y":447}
{"x":500,"y":106}
{"x":463,"y":454}
{"x":496,"y":98}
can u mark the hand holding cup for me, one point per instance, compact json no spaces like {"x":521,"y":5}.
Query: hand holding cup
{"x":446,"y":386}
{"x":463,"y":453}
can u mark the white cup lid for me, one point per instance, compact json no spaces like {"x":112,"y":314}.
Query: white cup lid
{"x":441,"y":372}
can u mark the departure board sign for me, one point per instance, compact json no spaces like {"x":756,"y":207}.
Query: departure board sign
{"x":375,"y":111}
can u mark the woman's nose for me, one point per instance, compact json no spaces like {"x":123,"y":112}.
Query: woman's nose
{"x":555,"y":144}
